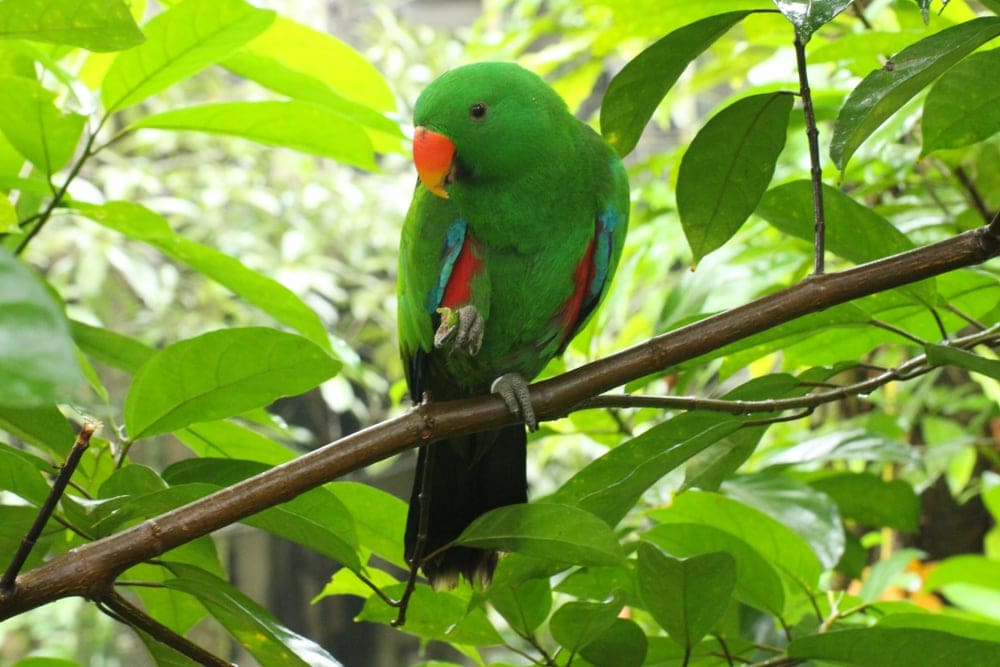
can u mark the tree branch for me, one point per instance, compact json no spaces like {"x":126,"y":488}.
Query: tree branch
{"x":90,"y":569}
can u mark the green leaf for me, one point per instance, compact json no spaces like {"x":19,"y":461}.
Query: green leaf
{"x":685,"y":596}
{"x":304,"y":126}
{"x":623,"y":644}
{"x":524,"y":605}
{"x":220,"y":374}
{"x":871,"y":500}
{"x":138,"y":222}
{"x":884,"y":91}
{"x":179,"y":42}
{"x":967,"y":568}
{"x":96,"y":25}
{"x":812,"y":515}
{"x":20,"y":474}
{"x":611,"y":485}
{"x":963,"y":627}
{"x":45,"y":662}
{"x":891,"y":647}
{"x":959,"y":110}
{"x":440,"y":615}
{"x":727,"y":168}
{"x":808,"y":16}
{"x":578,"y":623}
{"x":36,"y":352}
{"x":940,"y":355}
{"x":44,"y":427}
{"x":886,"y":573}
{"x":848,"y":445}
{"x":8,"y":217}
{"x":252,"y":625}
{"x":226,"y":439}
{"x":35,"y":126}
{"x":758,"y":583}
{"x":637,"y":90}
{"x":561,"y":533}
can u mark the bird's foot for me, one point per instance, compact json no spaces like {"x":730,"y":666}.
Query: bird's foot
{"x":460,"y":329}
{"x":513,"y":389}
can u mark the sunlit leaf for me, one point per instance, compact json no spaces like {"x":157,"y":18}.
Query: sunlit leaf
{"x":35,"y":126}
{"x":8,"y":217}
{"x":179,"y":42}
{"x":221,"y":374}
{"x":438,"y":615}
{"x":637,"y":90}
{"x":97,"y":25}
{"x":808,"y":16}
{"x":727,"y":168}
{"x":884,"y":91}
{"x":942,"y":354}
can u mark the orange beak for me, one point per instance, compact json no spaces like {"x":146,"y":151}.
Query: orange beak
{"x":432,"y":155}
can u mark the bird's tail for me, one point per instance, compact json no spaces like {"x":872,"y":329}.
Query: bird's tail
{"x":465,"y":477}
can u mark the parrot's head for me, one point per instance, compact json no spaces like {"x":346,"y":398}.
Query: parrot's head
{"x":481,"y":124}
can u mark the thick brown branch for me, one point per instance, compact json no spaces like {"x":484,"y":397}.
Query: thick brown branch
{"x":89,"y":570}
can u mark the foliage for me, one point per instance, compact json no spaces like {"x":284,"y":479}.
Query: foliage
{"x":660,"y":536}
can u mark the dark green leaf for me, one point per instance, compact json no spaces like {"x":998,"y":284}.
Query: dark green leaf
{"x":21,"y":475}
{"x":438,"y":615}
{"x":891,"y":647}
{"x":97,"y":25}
{"x":808,"y":16}
{"x":959,"y":110}
{"x":622,"y":645}
{"x":36,"y":352}
{"x":304,"y":126}
{"x":561,"y":533}
{"x":637,"y":90}
{"x":253,"y":626}
{"x":884,"y":91}
{"x":942,"y":354}
{"x":963,"y":627}
{"x":685,"y":596}
{"x":758,"y":583}
{"x":138,"y":222}
{"x":111,"y":348}
{"x":179,"y":42}
{"x":43,"y":427}
{"x":14,"y":524}
{"x":727,"y":168}
{"x":525,"y":605}
{"x":873,"y":501}
{"x":992,"y":5}
{"x":612,"y":484}
{"x":220,"y":374}
{"x":33,"y":124}
{"x":577,"y":623}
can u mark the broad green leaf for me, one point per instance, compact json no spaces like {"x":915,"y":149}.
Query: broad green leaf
{"x":963,"y":627}
{"x":966,"y":568}
{"x":14,"y":524}
{"x":225,"y":439}
{"x":141,"y":224}
{"x":758,"y":583}
{"x":45,"y":662}
{"x":20,"y":475}
{"x":959,"y":110}
{"x":637,"y":90}
{"x":179,"y":42}
{"x":221,"y":374}
{"x":36,"y":352}
{"x":727,"y":168}
{"x":871,"y":500}
{"x":685,"y":596}
{"x":622,"y":645}
{"x":849,"y":445}
{"x":612,"y":484}
{"x":561,"y":533}
{"x":884,"y":91}
{"x":891,"y":647}
{"x":577,"y":623}
{"x":808,"y":16}
{"x":35,"y":126}
{"x":943,"y":354}
{"x":96,"y":25}
{"x":524,"y":605}
{"x":304,"y":126}
{"x":812,"y":515}
{"x":441,"y":615}
{"x":44,"y":427}
{"x":252,"y":625}
{"x":992,"y":5}
{"x":777,"y":543}
{"x":8,"y":217}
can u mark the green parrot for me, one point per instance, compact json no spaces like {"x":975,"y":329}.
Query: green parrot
{"x":514,"y":232}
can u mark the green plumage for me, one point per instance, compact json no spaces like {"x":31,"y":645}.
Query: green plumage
{"x":529,"y":235}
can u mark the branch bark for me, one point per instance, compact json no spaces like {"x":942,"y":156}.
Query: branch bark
{"x":89,"y":570}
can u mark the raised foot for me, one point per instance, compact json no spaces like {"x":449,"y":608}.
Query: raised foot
{"x":513,"y":389}
{"x":460,"y":329}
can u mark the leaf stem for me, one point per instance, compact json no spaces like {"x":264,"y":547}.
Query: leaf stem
{"x":815,"y":170}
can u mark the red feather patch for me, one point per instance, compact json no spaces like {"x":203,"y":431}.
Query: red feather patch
{"x":468,"y":265}
{"x":582,"y":277}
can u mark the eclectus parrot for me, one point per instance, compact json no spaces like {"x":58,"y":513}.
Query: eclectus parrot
{"x":514,"y":232}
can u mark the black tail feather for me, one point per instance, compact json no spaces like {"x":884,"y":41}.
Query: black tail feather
{"x":466,"y":477}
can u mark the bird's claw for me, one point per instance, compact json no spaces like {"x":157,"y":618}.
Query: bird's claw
{"x":513,"y":389}
{"x":461,"y":329}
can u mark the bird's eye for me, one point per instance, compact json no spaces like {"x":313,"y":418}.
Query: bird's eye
{"x":477,"y":111}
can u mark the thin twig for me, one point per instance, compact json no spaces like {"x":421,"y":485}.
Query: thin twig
{"x":974,"y":195}
{"x":815,"y":170}
{"x":899,"y":332}
{"x":859,"y":11}
{"x":87,"y":430}
{"x":123,"y":610}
